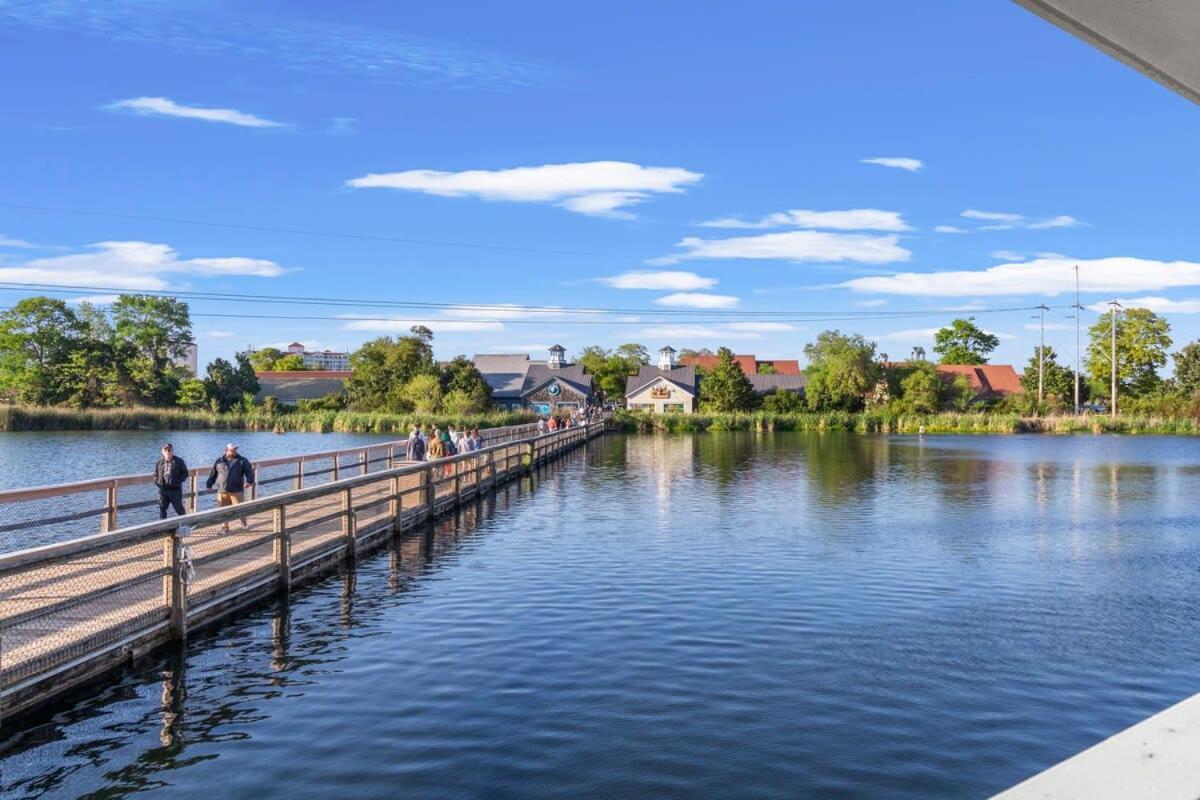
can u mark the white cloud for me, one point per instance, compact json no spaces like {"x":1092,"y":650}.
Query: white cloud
{"x":797,"y":246}
{"x":162,"y":106}
{"x":131,"y":266}
{"x":95,"y":299}
{"x":854,"y":219}
{"x":693,"y":333}
{"x":220,"y":334}
{"x":992,"y":216}
{"x":1006,"y":221}
{"x":1042,"y":276}
{"x":507,"y":311}
{"x":517,"y":348}
{"x":949,"y":229}
{"x":1159,"y":305}
{"x":871,"y":303}
{"x":760,"y":327}
{"x":6,"y":241}
{"x":379,"y":325}
{"x":910,"y":164}
{"x":667,"y":280}
{"x":597,"y":188}
{"x":1007,"y":255}
{"x":909,"y":335}
{"x":1061,"y":221}
{"x":698,"y":300}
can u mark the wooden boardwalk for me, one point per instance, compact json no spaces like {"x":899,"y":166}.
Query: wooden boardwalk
{"x":73,"y":609}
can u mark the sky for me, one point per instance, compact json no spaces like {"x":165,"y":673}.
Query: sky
{"x":669,"y":173}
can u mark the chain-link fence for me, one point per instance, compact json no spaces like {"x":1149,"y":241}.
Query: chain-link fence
{"x":67,"y":607}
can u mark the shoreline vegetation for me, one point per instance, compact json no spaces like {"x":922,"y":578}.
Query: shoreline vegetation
{"x":54,"y":418}
{"x":884,"y":422}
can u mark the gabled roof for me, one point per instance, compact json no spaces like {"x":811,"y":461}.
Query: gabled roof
{"x":783,"y":366}
{"x":749,"y":363}
{"x":683,"y":377}
{"x":764,"y":384}
{"x":987,"y":380}
{"x":573,"y":375}
{"x":504,"y":372}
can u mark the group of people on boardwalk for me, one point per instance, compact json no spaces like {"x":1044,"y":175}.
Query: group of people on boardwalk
{"x":434,"y":443}
{"x":231,"y":475}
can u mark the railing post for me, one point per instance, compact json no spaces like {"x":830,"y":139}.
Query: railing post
{"x":396,"y":506}
{"x":194,"y":486}
{"x":348,"y":532}
{"x":366,"y":461}
{"x":527,"y":458}
{"x":175,"y":584}
{"x":108,"y":522}
{"x":300,"y":473}
{"x":458,"y":483}
{"x":430,"y":491}
{"x":391,"y":456}
{"x":283,"y":551}
{"x":336,"y":465}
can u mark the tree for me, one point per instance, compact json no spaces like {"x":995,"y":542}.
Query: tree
{"x":264,"y":360}
{"x":841,"y":371}
{"x":1058,"y":381}
{"x":1143,"y":339}
{"x":609,"y":370}
{"x":293,"y":362}
{"x":464,"y":387}
{"x":921,"y":390}
{"x":91,"y":371}
{"x":1187,"y":368}
{"x":634,"y":354}
{"x":37,"y":337}
{"x":151,"y":334}
{"x":964,"y":342}
{"x":726,"y":387}
{"x":766,"y":368}
{"x":382,"y":367}
{"x":688,"y":352}
{"x":192,"y":393}
{"x":423,"y":394}
{"x":781,"y":401}
{"x":227,"y":385}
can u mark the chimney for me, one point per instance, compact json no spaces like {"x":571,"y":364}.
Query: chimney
{"x":558,"y":357}
{"x":666,"y":358}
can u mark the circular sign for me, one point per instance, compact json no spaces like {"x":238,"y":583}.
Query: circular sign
{"x":553,"y":390}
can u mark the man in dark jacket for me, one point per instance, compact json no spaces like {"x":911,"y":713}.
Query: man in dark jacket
{"x":414,"y":450}
{"x":231,"y":474}
{"x":169,"y":474}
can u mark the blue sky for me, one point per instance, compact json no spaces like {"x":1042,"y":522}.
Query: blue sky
{"x":685,"y":163}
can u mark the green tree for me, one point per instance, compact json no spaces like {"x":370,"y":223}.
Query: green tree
{"x":921,"y":390}
{"x":611,"y":369}
{"x":192,"y":393}
{"x":464,"y":387}
{"x":382,"y":367}
{"x":91,"y":371}
{"x":293,"y":362}
{"x":781,"y":401}
{"x":1143,"y":339}
{"x":766,"y":368}
{"x":423,"y":394}
{"x":688,"y":352}
{"x":227,"y":385}
{"x":726,"y":387}
{"x":37,"y":338}
{"x":1187,"y":368}
{"x":841,"y":371}
{"x":964,"y":342}
{"x":151,"y":333}
{"x":1058,"y":381}
{"x":264,"y":360}
{"x":634,"y":354}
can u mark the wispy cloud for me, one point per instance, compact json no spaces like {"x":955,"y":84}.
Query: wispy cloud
{"x":220,"y":334}
{"x":596,"y":188}
{"x":695,"y":333}
{"x":949,"y":229}
{"x":1007,"y":221}
{"x":871,"y":303}
{"x":1007,"y":255}
{"x":241,"y":33}
{"x":7,"y":241}
{"x":165,"y":107}
{"x":1159,"y":305}
{"x":909,"y":164}
{"x":991,"y":216}
{"x":908,"y":335}
{"x":1061,"y":221}
{"x":1042,"y":276}
{"x":761,"y":327}
{"x":668,"y":280}
{"x":698,"y":300}
{"x":399,"y":325}
{"x":131,"y":266}
{"x":855,"y":219}
{"x":796,"y":246}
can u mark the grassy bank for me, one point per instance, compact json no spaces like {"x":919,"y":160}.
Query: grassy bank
{"x":882,"y":422}
{"x":30,"y":418}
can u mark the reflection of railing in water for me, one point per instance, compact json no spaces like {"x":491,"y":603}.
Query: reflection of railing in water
{"x":71,"y":610}
{"x":44,"y":514}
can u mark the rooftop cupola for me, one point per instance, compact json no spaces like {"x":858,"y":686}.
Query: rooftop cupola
{"x":666,"y":358}
{"x":558,"y":357}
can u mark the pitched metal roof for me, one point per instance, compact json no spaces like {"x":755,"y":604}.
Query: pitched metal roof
{"x":504,"y":372}
{"x":764,"y":384}
{"x":683,"y":377}
{"x":572,"y":375}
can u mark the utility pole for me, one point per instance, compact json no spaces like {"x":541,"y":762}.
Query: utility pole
{"x":1112,"y":410}
{"x":1042,"y":357}
{"x":1077,"y":315}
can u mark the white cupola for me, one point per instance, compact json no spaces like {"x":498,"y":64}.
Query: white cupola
{"x":666,"y":358}
{"x":558,"y":357}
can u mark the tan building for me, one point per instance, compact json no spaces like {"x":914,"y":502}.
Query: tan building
{"x":664,"y":389}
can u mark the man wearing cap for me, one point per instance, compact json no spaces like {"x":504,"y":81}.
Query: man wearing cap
{"x":169,"y":474}
{"x":231,"y":474}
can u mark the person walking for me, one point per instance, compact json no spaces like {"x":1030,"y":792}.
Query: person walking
{"x":231,"y":474}
{"x":462,"y":444}
{"x":169,"y":474}
{"x":541,"y":425}
{"x":477,"y":437}
{"x":437,"y":448}
{"x":414,"y":449}
{"x":552,"y":425}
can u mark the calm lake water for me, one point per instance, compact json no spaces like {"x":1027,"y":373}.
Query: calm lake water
{"x":725,"y":615}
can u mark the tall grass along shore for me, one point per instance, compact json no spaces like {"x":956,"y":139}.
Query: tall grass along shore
{"x":37,"y":418}
{"x":883,"y":422}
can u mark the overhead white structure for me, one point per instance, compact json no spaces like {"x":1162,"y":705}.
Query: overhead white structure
{"x":1160,"y":38}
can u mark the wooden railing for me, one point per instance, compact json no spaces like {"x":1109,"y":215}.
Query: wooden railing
{"x":73,"y":609}
{"x":47,"y":514}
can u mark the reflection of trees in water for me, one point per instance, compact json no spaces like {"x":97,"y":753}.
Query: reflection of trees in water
{"x":843,"y":468}
{"x":203,"y":704}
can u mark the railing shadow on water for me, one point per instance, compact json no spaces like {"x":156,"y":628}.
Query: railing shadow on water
{"x":78,"y":609}
{"x":307,"y":634}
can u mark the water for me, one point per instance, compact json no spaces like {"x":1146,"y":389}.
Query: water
{"x":41,"y":458}
{"x":726,"y":615}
